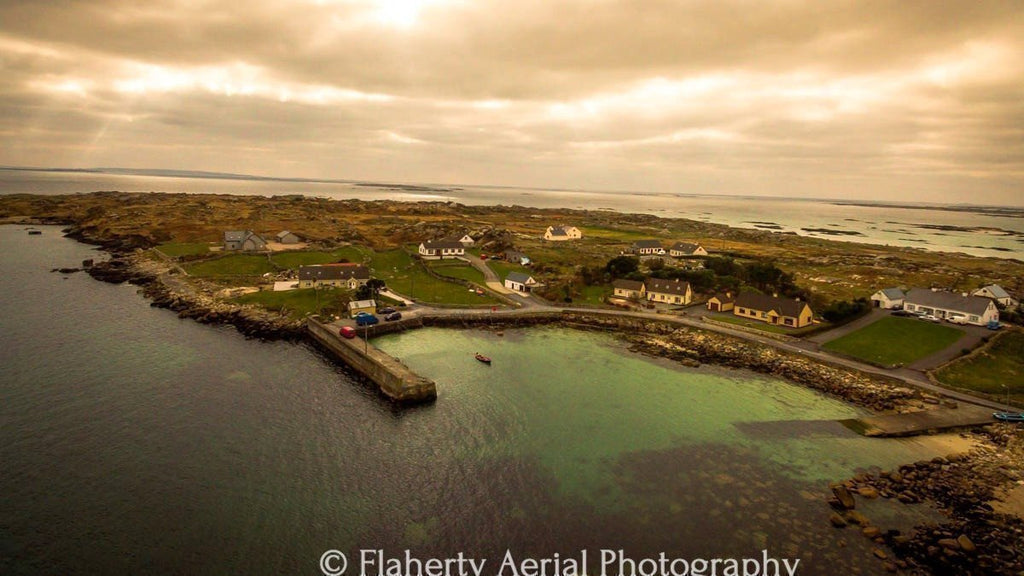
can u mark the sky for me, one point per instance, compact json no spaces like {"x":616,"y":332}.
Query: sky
{"x":901,"y":100}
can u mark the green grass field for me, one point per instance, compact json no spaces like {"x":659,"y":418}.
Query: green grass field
{"x":762,"y":326}
{"x":403,"y":275}
{"x":457,"y":269}
{"x":991,"y":369}
{"x":177,"y":249}
{"x":895,"y":341}
{"x":293,"y":260}
{"x":233,"y":265}
{"x":594,"y":295}
{"x":502,"y":268}
{"x":296,"y":303}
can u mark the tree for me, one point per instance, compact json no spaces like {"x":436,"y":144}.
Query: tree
{"x":622,"y":266}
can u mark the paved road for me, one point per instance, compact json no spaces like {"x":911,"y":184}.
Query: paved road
{"x":490,"y":277}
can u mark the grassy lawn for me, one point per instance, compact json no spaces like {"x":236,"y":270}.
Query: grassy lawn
{"x":502,"y":268}
{"x":401,"y":274}
{"x":763,"y":326}
{"x":297,"y":303}
{"x":891,"y":341}
{"x":177,"y":249}
{"x":593,"y":295}
{"x":615,"y":234}
{"x":233,"y":265}
{"x":987,"y":372}
{"x":457,"y":269}
{"x":293,"y":260}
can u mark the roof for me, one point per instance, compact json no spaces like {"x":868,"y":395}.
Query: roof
{"x":723,"y":297}
{"x":361,"y":304}
{"x":948,"y":301}
{"x":334,"y":272}
{"x":685,"y":247}
{"x":514,"y":254}
{"x":893,"y":293}
{"x":519,"y":277}
{"x":996,"y":291}
{"x":647,"y":244}
{"x":284,"y":233}
{"x":234,"y":235}
{"x":675,"y":287}
{"x":765,"y":303}
{"x":557,"y":231}
{"x":628,"y":284}
{"x":443,"y":244}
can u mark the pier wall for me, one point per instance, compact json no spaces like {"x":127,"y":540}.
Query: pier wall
{"x":395,"y":379}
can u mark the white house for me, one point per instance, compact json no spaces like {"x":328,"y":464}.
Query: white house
{"x":972,"y":309}
{"x":683,"y":249}
{"x":668,"y":291}
{"x":439,"y":249}
{"x":647,"y":248}
{"x":997,"y":293}
{"x":562,"y":233}
{"x":357,"y":306}
{"x":346,"y":275}
{"x":520,"y":282}
{"x":889,"y":298}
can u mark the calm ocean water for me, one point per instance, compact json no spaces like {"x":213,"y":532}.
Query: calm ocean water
{"x":970,"y":233}
{"x":133,"y":442}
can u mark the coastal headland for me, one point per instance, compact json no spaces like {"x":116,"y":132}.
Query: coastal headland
{"x":980,"y":537}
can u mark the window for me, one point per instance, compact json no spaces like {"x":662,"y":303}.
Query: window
{"x":974,"y":318}
{"x":788,"y":321}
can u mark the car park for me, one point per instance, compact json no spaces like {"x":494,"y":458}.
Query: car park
{"x":366,"y":319}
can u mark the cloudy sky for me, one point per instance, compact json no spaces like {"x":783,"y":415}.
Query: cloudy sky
{"x":899,"y":100}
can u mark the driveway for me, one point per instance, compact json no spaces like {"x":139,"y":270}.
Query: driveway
{"x":968,"y":341}
{"x":875,"y":315}
{"x":490,"y":278}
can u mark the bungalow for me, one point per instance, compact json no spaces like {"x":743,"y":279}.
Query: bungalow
{"x":721,"y":302}
{"x":516,"y":256}
{"x":520,"y":282}
{"x":629,"y":289}
{"x":975,"y":310}
{"x":243,"y":240}
{"x":286,"y":237}
{"x":647,"y":247}
{"x":683,"y":249}
{"x":357,"y":306}
{"x":888,"y":298}
{"x":997,"y":293}
{"x":562,"y":233}
{"x":346,"y":275}
{"x":773,"y":310}
{"x":668,"y":291}
{"x":439,"y":249}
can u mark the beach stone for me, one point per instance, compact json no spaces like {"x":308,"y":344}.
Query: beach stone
{"x":965,"y":544}
{"x":949,"y":544}
{"x":868,"y":492}
{"x":856,"y":517}
{"x":837,"y":520}
{"x":871,"y":531}
{"x":880,"y":554}
{"x":844,"y":497}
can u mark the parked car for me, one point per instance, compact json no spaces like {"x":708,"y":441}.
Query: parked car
{"x":393,"y":316}
{"x":347,"y":332}
{"x":902,"y":313}
{"x":961,"y":320}
{"x":931,"y":318}
{"x":993,"y":325}
{"x":366,"y":319}
{"x":385,"y":311}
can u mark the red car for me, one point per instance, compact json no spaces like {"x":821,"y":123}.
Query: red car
{"x":347,"y":332}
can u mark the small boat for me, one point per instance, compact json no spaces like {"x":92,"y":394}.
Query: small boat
{"x":35,"y":232}
{"x":483,"y":358}
{"x":1009,"y":416}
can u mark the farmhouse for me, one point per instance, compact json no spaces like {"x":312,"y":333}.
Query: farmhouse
{"x":647,"y":247}
{"x":516,"y":256}
{"x":721,"y":302}
{"x":997,"y":293}
{"x":286,"y":237}
{"x":439,"y":249}
{"x":629,"y":289}
{"x":975,"y":310}
{"x":888,"y":298}
{"x":683,"y":249}
{"x":464,"y":239}
{"x":245,"y":240}
{"x":350,"y":276}
{"x":668,"y":291}
{"x":773,"y":310}
{"x":562,"y":233}
{"x":520,"y":282}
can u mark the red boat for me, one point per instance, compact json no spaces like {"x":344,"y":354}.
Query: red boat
{"x":483,"y":358}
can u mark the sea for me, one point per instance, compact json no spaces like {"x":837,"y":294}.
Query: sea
{"x":135,"y":442}
{"x":996,"y":232}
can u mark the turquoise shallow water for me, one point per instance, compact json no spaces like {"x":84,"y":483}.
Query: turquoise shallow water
{"x":135,"y":442}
